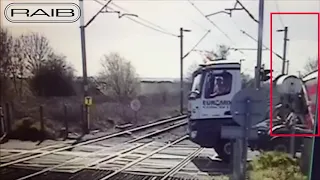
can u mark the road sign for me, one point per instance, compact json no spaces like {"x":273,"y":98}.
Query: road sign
{"x":257,"y":110}
{"x":135,"y":105}
{"x":88,"y":100}
{"x":235,"y":132}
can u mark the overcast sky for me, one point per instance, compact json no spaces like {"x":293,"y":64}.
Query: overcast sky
{"x":155,"y":54}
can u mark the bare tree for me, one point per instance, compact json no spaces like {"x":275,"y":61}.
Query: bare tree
{"x":221,"y":53}
{"x":193,"y":67}
{"x":247,"y":80}
{"x":58,"y":62}
{"x":18,"y":62}
{"x":24,"y":56}
{"x":36,"y":50}
{"x":6,"y":46}
{"x":310,"y":66}
{"x":53,"y":72}
{"x":118,"y":77}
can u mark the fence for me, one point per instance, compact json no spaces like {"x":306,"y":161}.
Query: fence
{"x":13,"y":119}
{"x":56,"y":117}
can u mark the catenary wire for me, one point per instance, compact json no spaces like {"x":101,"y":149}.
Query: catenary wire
{"x":214,"y":24}
{"x":247,"y":11}
{"x":196,"y":45}
{"x":142,"y":24}
{"x":251,"y":37}
{"x":279,"y":15}
{"x":142,"y":19}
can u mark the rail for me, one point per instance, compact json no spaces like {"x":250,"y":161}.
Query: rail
{"x":134,"y":148}
{"x":96,"y":140}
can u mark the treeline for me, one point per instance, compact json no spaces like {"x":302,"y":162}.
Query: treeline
{"x":28,"y":63}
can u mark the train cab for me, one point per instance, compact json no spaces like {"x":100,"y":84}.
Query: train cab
{"x":213,"y":88}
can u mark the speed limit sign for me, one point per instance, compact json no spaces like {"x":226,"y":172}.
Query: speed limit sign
{"x":135,"y":105}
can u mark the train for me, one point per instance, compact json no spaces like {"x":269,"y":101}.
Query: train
{"x":310,"y":89}
{"x":213,"y":87}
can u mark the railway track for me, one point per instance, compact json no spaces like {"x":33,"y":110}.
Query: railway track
{"x":120,"y":172}
{"x":20,"y":162}
{"x":139,"y":157}
{"x":25,"y":155}
{"x":54,"y":146}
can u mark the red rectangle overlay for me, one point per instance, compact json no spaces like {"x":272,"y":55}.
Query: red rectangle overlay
{"x":311,"y":89}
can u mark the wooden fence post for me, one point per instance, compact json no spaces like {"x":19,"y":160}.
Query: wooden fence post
{"x":8,"y":118}
{"x":83,"y":123}
{"x":65,"y":112}
{"x":42,"y":127}
{"x":2,"y":124}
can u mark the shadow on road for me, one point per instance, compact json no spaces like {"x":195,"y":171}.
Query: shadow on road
{"x":212,"y":167}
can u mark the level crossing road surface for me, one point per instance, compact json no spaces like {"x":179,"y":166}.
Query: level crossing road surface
{"x":142,"y":160}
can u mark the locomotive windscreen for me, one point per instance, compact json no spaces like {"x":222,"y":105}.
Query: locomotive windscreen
{"x":217,"y":84}
{"x":196,"y":84}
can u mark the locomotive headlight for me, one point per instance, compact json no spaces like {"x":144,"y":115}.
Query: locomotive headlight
{"x":193,"y":134}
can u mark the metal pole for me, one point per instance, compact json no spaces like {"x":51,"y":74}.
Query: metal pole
{"x":287,"y":71}
{"x":284,"y":49}
{"x":84,"y":64}
{"x":293,"y":126}
{"x":260,"y":43}
{"x":181,"y":70}
{"x":245,"y":140}
{"x":236,"y":159}
{"x":292,"y":140}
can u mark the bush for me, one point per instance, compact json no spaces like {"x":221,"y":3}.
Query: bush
{"x":275,"y":166}
{"x":105,"y":114}
{"x":54,"y":78}
{"x":27,"y":129}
